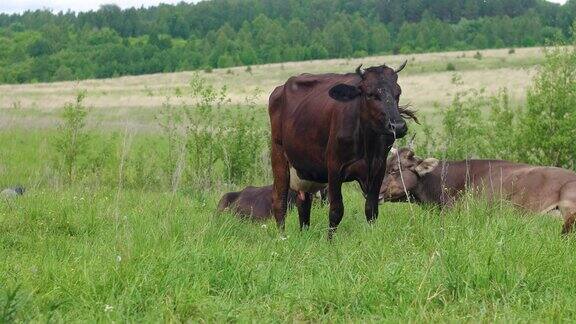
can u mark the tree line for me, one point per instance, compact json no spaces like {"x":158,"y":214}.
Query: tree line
{"x":41,"y":46}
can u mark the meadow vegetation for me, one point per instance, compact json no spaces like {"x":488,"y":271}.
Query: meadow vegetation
{"x":477,"y":124}
{"x":120,"y":225}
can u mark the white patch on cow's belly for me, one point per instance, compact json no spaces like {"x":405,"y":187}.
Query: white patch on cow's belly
{"x":298,"y":184}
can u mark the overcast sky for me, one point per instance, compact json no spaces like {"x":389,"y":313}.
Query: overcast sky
{"x":12,"y":6}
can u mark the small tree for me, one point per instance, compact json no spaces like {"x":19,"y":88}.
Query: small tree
{"x":71,"y":141}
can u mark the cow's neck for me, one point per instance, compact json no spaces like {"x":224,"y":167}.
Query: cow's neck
{"x":372,"y":153}
{"x":370,"y":141}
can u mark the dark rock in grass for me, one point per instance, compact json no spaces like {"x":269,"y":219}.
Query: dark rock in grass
{"x":12,"y":192}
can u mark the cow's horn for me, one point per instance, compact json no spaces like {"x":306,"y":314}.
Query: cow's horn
{"x":401,"y":67}
{"x":359,"y":71}
{"x":411,"y":143}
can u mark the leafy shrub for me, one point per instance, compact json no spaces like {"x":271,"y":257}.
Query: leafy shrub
{"x":450,"y":67}
{"x":543,"y":133}
{"x":243,"y":143}
{"x":208,"y":141}
{"x":473,"y":125}
{"x":547,"y":132}
{"x":511,"y":51}
{"x":71,"y":141}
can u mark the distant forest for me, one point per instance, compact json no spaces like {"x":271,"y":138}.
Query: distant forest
{"x":40,"y":46}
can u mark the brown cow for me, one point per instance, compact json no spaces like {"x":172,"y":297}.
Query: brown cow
{"x":534,"y":188}
{"x":334,"y":128}
{"x":255,"y":203}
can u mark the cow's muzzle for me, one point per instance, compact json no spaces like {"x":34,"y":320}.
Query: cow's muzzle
{"x":398,"y":128}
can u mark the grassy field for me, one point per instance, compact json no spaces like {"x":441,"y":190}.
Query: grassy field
{"x":87,"y":253}
{"x":123,"y":242}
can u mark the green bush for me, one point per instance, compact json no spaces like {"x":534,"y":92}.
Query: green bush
{"x":243,"y":145}
{"x":482,"y":126}
{"x":210,"y":142}
{"x":72,"y":139}
{"x":474,"y":125}
{"x":547,"y":132}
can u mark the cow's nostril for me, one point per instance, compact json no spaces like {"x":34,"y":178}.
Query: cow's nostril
{"x":399,"y":128}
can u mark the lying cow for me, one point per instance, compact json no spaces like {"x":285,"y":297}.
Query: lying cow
{"x":534,"y":188}
{"x":256,"y":202}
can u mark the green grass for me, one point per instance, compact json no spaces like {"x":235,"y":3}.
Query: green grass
{"x":90,"y":252}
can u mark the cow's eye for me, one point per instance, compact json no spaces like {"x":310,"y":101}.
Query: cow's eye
{"x":373,"y":96}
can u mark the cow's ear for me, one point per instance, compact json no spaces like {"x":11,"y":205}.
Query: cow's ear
{"x":426,"y":166}
{"x":344,"y":92}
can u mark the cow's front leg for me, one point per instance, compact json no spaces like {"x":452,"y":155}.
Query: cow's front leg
{"x":371,"y":207}
{"x":336,"y":203}
{"x":372,"y":193}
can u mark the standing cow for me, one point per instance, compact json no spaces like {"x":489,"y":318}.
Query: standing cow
{"x":534,"y":188}
{"x":334,"y":128}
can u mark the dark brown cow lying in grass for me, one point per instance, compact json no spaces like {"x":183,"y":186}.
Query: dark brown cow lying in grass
{"x":534,"y":188}
{"x":255,"y":203}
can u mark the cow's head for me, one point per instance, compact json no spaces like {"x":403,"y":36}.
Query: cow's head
{"x":379,"y":93}
{"x":404,"y":176}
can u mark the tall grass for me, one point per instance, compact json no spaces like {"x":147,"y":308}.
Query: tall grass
{"x":169,"y":258}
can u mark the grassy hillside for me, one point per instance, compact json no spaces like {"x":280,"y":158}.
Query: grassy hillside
{"x":136,"y":100}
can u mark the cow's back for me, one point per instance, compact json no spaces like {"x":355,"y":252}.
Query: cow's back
{"x":256,"y":201}
{"x":535,"y":188}
{"x":251,"y":202}
{"x":309,"y":90}
{"x":538,"y":188}
{"x":227,"y":200}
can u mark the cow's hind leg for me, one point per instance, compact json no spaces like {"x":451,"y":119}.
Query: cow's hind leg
{"x":304,"y":204}
{"x":281,"y":185}
{"x":567,"y":206}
